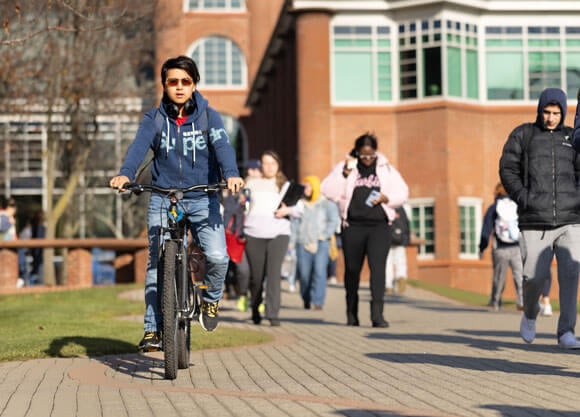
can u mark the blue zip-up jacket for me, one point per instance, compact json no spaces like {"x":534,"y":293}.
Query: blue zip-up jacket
{"x":182,"y":155}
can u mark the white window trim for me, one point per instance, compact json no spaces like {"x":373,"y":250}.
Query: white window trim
{"x":227,"y":9}
{"x":228,"y":86}
{"x":475,"y":202}
{"x":365,"y":20}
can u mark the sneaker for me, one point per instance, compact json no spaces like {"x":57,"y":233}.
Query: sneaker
{"x":527,"y":329}
{"x":383,"y":324}
{"x":400,"y":285}
{"x":568,"y":341}
{"x":242,"y":303}
{"x":151,"y":342}
{"x":209,"y":316}
{"x":332,"y":280}
{"x":291,"y":287}
{"x":546,"y":310}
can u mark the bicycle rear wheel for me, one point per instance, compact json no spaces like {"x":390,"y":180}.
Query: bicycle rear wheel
{"x":169,"y":309}
{"x":185,"y":300}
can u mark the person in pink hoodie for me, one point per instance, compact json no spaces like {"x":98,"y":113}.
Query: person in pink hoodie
{"x":367,"y":189}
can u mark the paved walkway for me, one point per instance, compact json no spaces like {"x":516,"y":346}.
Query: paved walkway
{"x":438,"y":358}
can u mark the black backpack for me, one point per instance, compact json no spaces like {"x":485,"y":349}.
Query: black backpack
{"x":400,"y":229}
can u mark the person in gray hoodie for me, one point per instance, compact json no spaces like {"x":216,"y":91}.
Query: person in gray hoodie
{"x":540,"y":170}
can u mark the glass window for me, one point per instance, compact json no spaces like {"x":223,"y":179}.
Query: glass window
{"x":215,"y":4}
{"x":361,"y":63}
{"x":505,"y":75}
{"x":423,"y":225}
{"x":462,"y":61}
{"x":572,"y":55}
{"x":469,"y":227}
{"x":472,"y":74}
{"x":220,"y":62}
{"x":504,"y":63}
{"x":454,"y":71}
{"x":572,"y":73}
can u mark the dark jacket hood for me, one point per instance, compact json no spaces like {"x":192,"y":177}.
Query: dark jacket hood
{"x":548,"y":96}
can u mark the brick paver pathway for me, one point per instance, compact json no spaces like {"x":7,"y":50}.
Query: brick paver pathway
{"x":438,"y":358}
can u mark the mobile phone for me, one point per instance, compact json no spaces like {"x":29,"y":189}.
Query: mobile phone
{"x":374,"y":194}
{"x":351,"y":163}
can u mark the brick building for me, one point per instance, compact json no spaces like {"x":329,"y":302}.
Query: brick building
{"x":441,"y":83}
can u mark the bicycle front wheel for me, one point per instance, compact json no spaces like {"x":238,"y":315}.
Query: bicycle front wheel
{"x":169,"y":309}
{"x":185,"y":299}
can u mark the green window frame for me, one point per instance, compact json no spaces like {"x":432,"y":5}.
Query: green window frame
{"x":361,"y":63}
{"x":422,"y":222}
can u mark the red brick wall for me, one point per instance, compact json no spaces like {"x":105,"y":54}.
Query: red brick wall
{"x":9,"y":268}
{"x":177,"y":31}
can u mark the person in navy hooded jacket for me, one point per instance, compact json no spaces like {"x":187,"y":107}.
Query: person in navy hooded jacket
{"x":540,"y":170}
{"x":190,"y":147}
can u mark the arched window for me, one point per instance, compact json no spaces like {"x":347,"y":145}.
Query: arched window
{"x":221,"y":63}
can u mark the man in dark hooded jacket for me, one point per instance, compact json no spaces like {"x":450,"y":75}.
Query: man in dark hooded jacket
{"x":540,"y":170}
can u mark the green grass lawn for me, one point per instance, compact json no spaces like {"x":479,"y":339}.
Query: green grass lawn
{"x":86,"y":322}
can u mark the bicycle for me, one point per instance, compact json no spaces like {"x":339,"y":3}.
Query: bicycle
{"x":180,"y":295}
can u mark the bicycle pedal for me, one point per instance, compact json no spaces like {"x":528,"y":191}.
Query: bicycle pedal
{"x":151,"y":350}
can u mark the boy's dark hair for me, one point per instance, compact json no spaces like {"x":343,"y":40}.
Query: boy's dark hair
{"x":181,"y":62}
{"x":367,"y":139}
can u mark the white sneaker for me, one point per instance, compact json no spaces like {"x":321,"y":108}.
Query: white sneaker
{"x":546,"y":310}
{"x":568,"y":341}
{"x":527,"y":329}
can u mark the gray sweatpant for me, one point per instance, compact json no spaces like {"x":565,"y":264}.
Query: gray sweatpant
{"x":503,"y":258}
{"x":538,"y":249}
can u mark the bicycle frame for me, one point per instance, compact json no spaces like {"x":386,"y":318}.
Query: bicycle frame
{"x":178,"y":296}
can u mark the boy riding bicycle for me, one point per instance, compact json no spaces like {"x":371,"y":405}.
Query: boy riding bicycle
{"x":190,"y":147}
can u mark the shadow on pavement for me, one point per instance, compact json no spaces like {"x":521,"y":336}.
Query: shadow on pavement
{"x":139,"y":366}
{"x":94,"y":346}
{"x":475,"y":363}
{"x":378,"y":413}
{"x":485,"y":344}
{"x":512,"y":410}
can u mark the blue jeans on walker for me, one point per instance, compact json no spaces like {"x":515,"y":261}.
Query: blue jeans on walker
{"x":312,"y":273}
{"x":205,"y":223}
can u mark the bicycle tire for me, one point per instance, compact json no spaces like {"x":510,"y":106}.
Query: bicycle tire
{"x":184,"y":298}
{"x":169,"y":308}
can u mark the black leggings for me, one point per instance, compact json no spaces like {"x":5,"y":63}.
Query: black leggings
{"x":373,"y":241}
{"x":265,"y":257}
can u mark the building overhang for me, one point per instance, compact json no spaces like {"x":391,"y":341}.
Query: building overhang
{"x":481,"y":5}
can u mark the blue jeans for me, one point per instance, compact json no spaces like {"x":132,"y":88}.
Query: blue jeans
{"x":205,"y":223}
{"x":312,"y":273}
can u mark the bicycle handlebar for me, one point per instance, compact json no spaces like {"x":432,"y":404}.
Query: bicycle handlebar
{"x":206,"y":188}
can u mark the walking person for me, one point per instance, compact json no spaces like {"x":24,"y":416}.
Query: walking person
{"x":367,"y":189}
{"x":314,"y":230}
{"x":540,"y":169}
{"x":191,"y":148}
{"x":267,"y":231}
{"x":396,"y":271}
{"x":505,"y":250}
